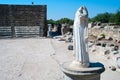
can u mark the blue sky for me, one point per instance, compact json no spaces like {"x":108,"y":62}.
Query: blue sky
{"x":57,"y":9}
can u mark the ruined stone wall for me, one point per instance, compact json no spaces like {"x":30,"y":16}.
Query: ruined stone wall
{"x":23,"y":20}
{"x":115,"y":33}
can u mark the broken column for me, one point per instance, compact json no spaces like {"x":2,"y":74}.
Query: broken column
{"x":81,"y":68}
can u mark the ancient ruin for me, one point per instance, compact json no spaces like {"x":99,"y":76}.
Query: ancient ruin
{"x":23,"y":20}
{"x":81,"y":68}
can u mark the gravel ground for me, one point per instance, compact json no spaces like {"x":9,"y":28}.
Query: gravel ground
{"x":28,"y":59}
{"x":39,"y":59}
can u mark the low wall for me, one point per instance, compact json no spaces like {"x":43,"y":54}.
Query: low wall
{"x":6,"y":31}
{"x":21,"y":31}
{"x":115,"y":33}
{"x":27,"y":31}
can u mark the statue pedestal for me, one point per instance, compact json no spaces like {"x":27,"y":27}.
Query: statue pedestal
{"x":74,"y":73}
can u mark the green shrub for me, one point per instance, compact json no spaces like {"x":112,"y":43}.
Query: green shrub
{"x":103,"y":35}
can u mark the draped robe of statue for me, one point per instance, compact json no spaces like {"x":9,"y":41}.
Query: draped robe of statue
{"x":80,"y":32}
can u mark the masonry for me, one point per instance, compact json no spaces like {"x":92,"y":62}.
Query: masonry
{"x":23,"y":20}
{"x":114,"y":33}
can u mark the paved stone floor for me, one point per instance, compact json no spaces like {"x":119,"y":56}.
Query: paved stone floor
{"x":28,"y":59}
{"x":38,"y":59}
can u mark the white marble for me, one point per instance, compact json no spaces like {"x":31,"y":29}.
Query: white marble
{"x":81,"y":37}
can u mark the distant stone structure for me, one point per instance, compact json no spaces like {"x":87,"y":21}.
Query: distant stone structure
{"x":114,"y":33}
{"x":66,"y":28}
{"x":54,"y":30}
{"x":99,"y":25}
{"x":23,"y":20}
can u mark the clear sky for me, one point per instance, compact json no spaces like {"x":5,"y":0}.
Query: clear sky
{"x":57,"y":9}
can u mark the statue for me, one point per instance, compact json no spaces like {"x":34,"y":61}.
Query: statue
{"x":81,"y":68}
{"x":80,"y":34}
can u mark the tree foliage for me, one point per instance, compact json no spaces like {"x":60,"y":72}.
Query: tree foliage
{"x":61,"y":21}
{"x":117,"y":17}
{"x":107,"y":17}
{"x":50,"y":21}
{"x":65,"y":20}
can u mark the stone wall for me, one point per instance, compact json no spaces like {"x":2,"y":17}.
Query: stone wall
{"x":24,"y":31}
{"x":115,"y":33}
{"x":5,"y":31}
{"x":23,"y":20}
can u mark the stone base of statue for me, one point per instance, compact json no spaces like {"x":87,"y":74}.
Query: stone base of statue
{"x":75,"y":72}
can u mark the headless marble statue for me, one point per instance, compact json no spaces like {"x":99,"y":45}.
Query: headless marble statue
{"x":81,"y":37}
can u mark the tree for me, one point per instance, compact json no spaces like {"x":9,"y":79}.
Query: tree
{"x":50,"y":21}
{"x":112,"y":18}
{"x":65,"y":20}
{"x":107,"y":17}
{"x":117,"y":17}
{"x":61,"y":21}
{"x":104,"y":17}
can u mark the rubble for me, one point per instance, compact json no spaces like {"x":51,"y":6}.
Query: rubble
{"x":113,"y":68}
{"x":70,"y":47}
{"x":107,"y":52}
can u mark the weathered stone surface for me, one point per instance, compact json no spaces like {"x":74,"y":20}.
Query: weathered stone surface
{"x":27,"y":31}
{"x":79,"y":73}
{"x":70,"y":47}
{"x":80,"y":34}
{"x":5,"y":31}
{"x":113,"y":68}
{"x":23,"y":15}
{"x":114,"y":33}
